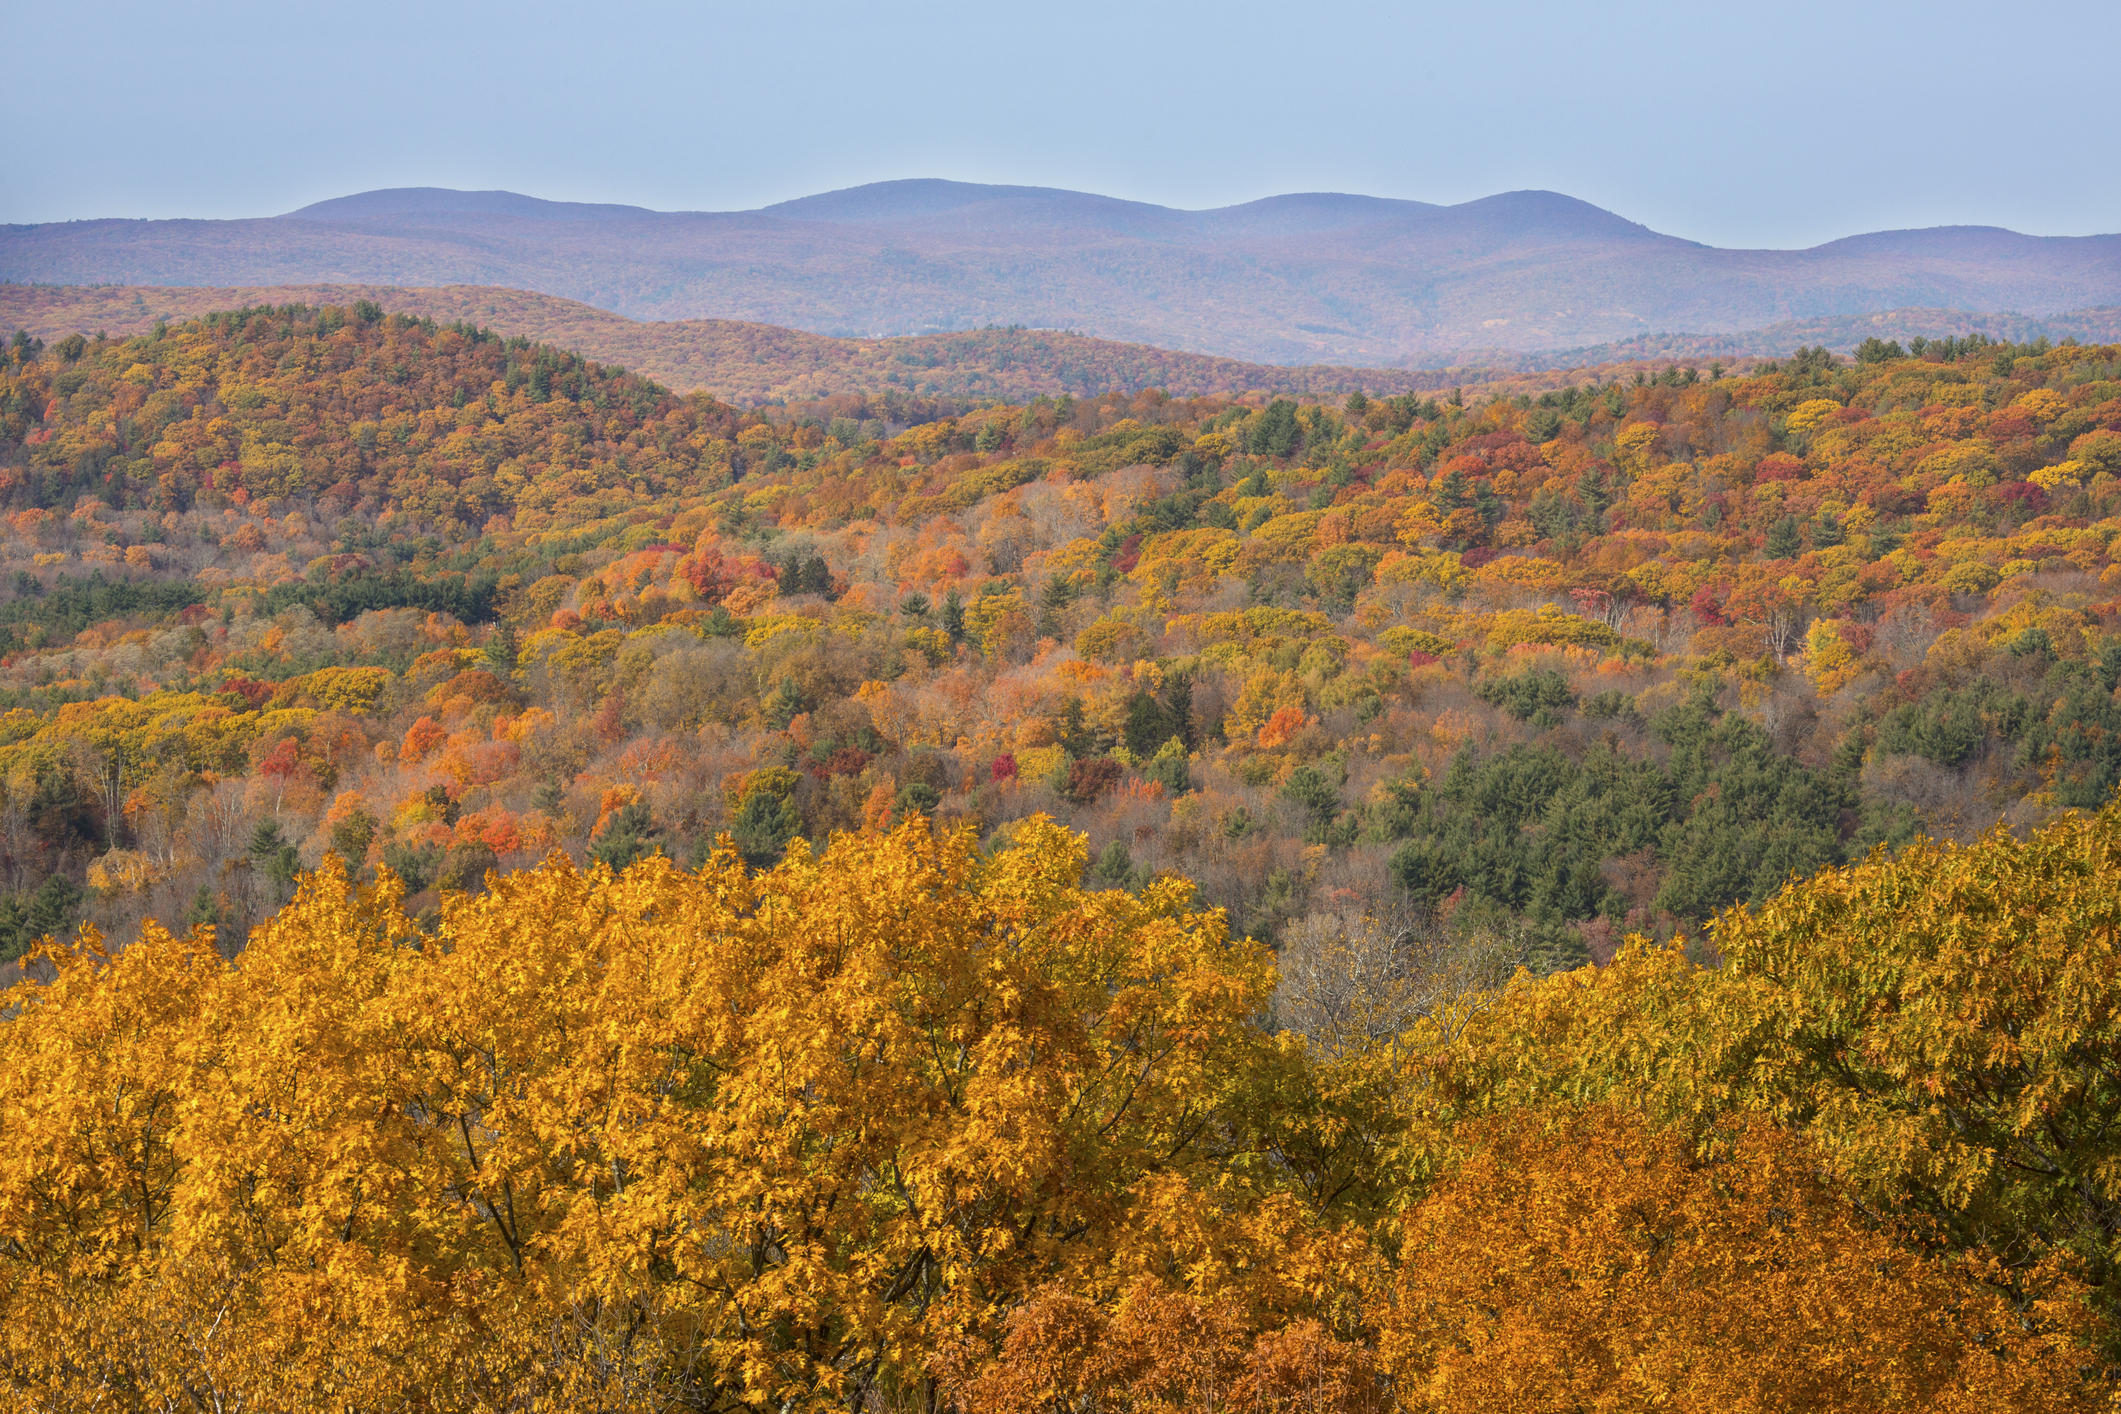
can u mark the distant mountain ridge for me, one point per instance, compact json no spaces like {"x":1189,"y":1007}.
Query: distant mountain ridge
{"x":1296,"y":279}
{"x":403,"y":201}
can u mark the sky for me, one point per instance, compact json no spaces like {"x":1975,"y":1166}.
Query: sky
{"x":1749,"y":126}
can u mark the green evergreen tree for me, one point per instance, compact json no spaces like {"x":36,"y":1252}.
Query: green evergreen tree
{"x":1073,"y":730}
{"x":1311,"y":793}
{"x":502,"y":652}
{"x":276,"y":862}
{"x":1114,"y":867}
{"x":1148,"y":725}
{"x":763,"y":827}
{"x":1453,"y":494}
{"x":632,"y":834}
{"x":783,"y":705}
{"x":917,"y":798}
{"x":1277,"y":431}
{"x":351,"y":837}
{"x":1537,"y":695}
{"x":1178,"y":710}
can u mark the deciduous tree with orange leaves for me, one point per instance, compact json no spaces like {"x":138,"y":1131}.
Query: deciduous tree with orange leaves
{"x":1584,"y":1259}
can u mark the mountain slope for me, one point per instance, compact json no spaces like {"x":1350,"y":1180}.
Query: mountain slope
{"x":400,"y":201}
{"x":749,"y":363}
{"x":739,"y":362}
{"x":1306,"y":278}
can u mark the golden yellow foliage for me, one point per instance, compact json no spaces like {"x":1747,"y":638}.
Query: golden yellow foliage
{"x":1810,"y":414}
{"x":352,"y":690}
{"x":748,"y":1140}
{"x":1828,"y":660}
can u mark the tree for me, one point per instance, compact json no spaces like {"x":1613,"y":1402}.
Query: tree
{"x":1178,"y":710}
{"x":351,"y":837}
{"x":1072,"y":729}
{"x":502,"y":652}
{"x":1148,"y":725}
{"x":1535,"y":696}
{"x":917,"y":798}
{"x":1311,"y":793}
{"x":632,"y":834}
{"x":1352,"y":982}
{"x":764,"y":825}
{"x":1783,"y":542}
{"x":807,"y":574}
{"x":48,"y":911}
{"x":1157,"y":1349}
{"x":276,"y":861}
{"x":1588,"y":1260}
{"x":1276,"y":432}
{"x":1170,"y":769}
{"x":1114,"y":867}
{"x":783,"y":705}
{"x":601,"y":1109}
{"x":1088,"y":780}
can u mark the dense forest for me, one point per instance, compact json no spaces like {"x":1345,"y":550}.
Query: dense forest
{"x":1605,"y":660}
{"x":1290,"y":730}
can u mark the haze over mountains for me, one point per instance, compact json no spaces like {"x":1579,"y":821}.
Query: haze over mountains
{"x":1306,"y":278}
{"x":749,"y":363}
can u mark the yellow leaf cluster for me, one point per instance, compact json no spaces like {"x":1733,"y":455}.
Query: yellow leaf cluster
{"x":606,"y":1141}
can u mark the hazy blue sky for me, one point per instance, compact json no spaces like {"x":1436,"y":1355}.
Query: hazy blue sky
{"x":1738,"y":125}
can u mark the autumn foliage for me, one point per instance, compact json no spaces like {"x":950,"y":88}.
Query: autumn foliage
{"x":903,"y":1121}
{"x":762,"y":1138}
{"x":611,"y":900}
{"x":1586,"y":1261}
{"x":336,"y":580}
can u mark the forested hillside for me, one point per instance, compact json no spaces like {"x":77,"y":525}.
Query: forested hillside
{"x":749,"y":364}
{"x":1843,"y":334}
{"x":345,"y":580}
{"x":1409,"y":692}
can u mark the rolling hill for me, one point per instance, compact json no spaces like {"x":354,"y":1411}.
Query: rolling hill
{"x":742,"y":362}
{"x":1305,"y":278}
{"x":749,"y":364}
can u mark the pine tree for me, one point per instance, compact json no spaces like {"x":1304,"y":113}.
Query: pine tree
{"x":763,"y":827}
{"x":631,"y":835}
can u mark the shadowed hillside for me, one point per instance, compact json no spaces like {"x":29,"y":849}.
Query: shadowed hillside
{"x":754,"y":363}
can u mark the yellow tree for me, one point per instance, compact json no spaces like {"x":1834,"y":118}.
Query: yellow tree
{"x":741,"y":1140}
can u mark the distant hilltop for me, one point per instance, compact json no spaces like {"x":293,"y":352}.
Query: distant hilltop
{"x":1306,"y":278}
{"x":749,"y":363}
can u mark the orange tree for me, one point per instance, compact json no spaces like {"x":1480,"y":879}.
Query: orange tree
{"x":1586,"y":1260}
{"x":1943,"y":1026}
